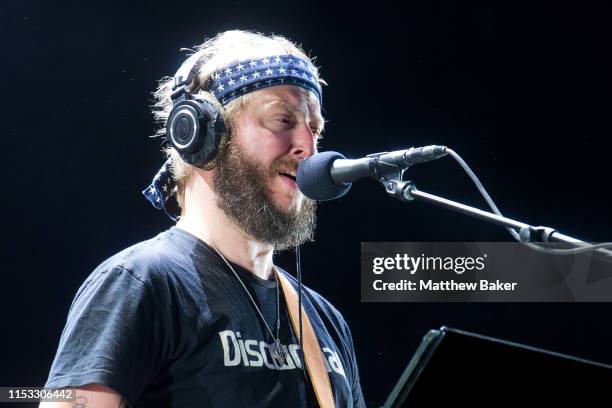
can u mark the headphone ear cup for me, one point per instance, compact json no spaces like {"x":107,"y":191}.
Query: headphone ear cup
{"x":195,"y":128}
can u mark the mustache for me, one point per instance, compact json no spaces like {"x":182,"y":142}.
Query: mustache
{"x":285,"y":165}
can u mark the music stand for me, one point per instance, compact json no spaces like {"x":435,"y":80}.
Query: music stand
{"x":458,"y":367}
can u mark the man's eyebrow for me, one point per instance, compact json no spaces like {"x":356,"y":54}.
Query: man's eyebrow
{"x":279,"y":102}
{"x":315,"y":116}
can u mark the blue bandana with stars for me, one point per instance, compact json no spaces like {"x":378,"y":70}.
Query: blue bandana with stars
{"x":161,"y":188}
{"x":247,"y":76}
{"x":232,"y":82}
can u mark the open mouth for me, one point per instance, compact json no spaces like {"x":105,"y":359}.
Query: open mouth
{"x":289,"y":175}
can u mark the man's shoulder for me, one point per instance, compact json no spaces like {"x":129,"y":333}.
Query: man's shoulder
{"x":319,"y":302}
{"x":148,"y":261}
{"x":139,"y":255}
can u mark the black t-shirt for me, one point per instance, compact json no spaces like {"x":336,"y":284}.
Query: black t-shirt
{"x":166,"y":323}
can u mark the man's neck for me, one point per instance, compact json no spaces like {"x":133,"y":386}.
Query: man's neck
{"x":210,"y":224}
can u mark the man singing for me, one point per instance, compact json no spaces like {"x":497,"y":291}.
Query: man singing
{"x":199,"y":316}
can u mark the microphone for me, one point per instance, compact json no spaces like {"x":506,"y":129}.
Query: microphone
{"x":328,"y":175}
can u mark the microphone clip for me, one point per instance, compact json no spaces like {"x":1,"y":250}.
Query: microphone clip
{"x":384,"y":168}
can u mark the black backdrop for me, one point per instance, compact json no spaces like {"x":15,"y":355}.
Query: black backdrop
{"x":521,"y":91}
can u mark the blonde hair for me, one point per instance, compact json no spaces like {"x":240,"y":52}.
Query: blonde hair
{"x":227,"y":48}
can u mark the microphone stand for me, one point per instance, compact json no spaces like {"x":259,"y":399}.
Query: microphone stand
{"x":406,"y":191}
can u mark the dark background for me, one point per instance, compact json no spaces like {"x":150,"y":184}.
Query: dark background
{"x":521,"y":91}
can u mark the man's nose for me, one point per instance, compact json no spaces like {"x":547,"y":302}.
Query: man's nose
{"x":303,"y":142}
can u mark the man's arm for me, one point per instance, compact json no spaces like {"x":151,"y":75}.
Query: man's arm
{"x":91,"y":396}
{"x":113,"y":336}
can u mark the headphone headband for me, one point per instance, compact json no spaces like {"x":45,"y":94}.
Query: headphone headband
{"x":184,"y":75}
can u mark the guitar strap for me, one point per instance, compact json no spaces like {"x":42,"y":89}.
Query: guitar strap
{"x":312,"y":353}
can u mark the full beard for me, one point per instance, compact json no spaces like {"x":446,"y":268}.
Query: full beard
{"x":242,"y":191}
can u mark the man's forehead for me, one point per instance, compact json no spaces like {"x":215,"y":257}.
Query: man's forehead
{"x":290,"y":97}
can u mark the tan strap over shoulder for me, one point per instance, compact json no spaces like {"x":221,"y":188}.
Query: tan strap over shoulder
{"x":312,"y":353}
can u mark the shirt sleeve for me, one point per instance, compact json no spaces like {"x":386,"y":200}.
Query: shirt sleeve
{"x":112,"y":336}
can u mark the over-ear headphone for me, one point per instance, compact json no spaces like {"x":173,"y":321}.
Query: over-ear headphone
{"x":195,"y":126}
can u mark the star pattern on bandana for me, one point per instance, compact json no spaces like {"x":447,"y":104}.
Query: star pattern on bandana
{"x":235,"y":80}
{"x":160,"y":189}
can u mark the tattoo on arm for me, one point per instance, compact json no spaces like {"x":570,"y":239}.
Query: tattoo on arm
{"x":81,"y":402}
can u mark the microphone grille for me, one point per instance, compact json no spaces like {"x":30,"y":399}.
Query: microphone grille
{"x":314,"y":177}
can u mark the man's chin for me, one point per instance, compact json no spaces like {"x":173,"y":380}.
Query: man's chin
{"x":291,"y":209}
{"x":289,"y":206}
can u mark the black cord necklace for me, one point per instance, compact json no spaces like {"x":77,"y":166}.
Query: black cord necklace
{"x":277,"y":349}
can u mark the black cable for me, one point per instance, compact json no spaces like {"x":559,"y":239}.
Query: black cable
{"x":299,"y":278}
{"x":582,"y":247}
